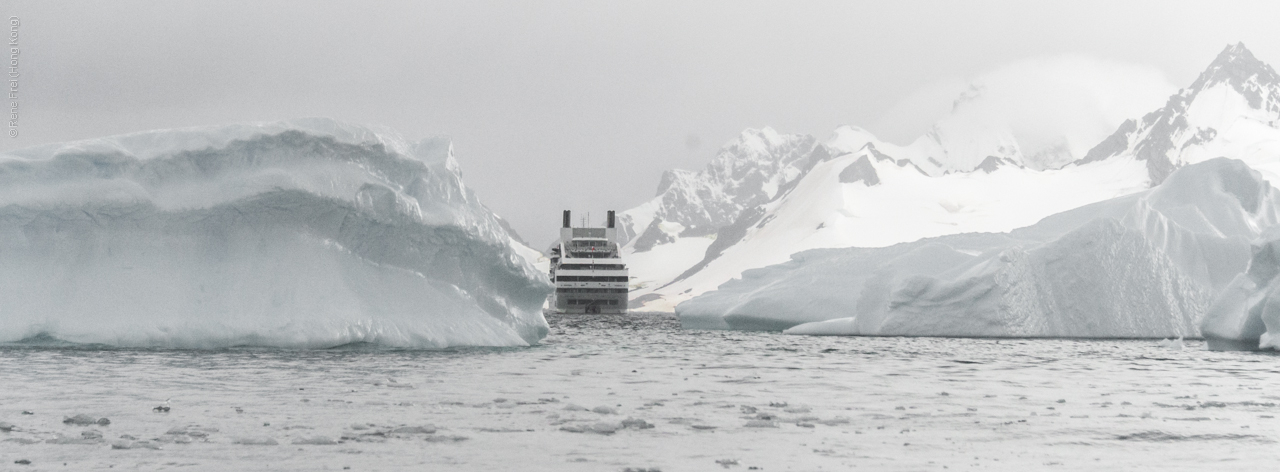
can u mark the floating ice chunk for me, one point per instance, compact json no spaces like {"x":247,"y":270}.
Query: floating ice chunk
{"x":85,"y":420}
{"x":426,"y":429}
{"x":635,"y":423}
{"x":195,"y":431}
{"x":315,"y":441}
{"x":79,"y":439}
{"x":133,"y":444}
{"x":392,"y":383}
{"x":255,"y":441}
{"x":605,"y":427}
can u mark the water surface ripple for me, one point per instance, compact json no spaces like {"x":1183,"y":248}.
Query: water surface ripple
{"x":605,"y":392}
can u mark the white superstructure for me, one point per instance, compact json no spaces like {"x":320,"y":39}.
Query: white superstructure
{"x":587,"y":269}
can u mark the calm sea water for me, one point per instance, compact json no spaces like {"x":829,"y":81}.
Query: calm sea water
{"x":616,"y":393}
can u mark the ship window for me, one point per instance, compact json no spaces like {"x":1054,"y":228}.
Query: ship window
{"x":587,"y":278}
{"x":591,"y":290}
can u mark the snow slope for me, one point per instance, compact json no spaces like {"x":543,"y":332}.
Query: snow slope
{"x":307,"y":233}
{"x":1141,"y":265}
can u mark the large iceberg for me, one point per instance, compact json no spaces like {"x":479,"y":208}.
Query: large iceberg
{"x":1141,"y":265}
{"x":306,"y":233}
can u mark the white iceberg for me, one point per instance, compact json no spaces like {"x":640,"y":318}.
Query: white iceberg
{"x":307,"y":233}
{"x":1141,"y":265}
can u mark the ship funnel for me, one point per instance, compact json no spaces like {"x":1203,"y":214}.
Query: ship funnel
{"x":565,"y":223}
{"x":610,"y":220}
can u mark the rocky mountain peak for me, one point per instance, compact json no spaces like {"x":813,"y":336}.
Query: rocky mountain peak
{"x":1162,"y":136}
{"x":746,"y":172}
{"x":1238,"y":67}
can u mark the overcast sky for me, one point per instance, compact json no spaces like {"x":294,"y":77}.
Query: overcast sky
{"x":610,"y":93}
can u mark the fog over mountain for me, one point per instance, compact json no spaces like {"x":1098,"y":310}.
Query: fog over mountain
{"x":531,"y":93}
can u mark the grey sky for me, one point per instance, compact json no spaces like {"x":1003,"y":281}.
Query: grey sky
{"x":612,"y":93}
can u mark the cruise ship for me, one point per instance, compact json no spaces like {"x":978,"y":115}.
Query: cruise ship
{"x":587,"y":269}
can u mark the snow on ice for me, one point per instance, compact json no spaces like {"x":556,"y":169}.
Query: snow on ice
{"x":307,"y":233}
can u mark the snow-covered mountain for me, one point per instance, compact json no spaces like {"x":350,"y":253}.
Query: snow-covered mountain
{"x":307,"y":233}
{"x":860,"y":191}
{"x":865,"y":197}
{"x":672,"y":231}
{"x":744,"y":174}
{"x":1232,"y":109}
{"x":1140,"y":265}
